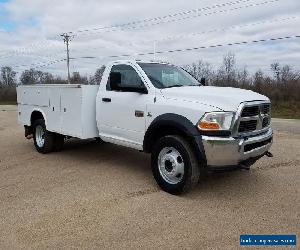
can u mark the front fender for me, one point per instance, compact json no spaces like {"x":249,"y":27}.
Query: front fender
{"x":178,"y":123}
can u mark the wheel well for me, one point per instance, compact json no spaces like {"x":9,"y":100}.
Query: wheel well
{"x":161,"y":131}
{"x":35,"y":116}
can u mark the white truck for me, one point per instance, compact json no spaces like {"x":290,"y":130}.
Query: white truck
{"x":156,"y":108}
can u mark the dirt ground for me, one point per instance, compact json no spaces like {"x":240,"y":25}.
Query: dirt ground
{"x":93,"y":196}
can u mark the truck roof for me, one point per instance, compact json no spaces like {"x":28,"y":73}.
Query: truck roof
{"x":139,"y":61}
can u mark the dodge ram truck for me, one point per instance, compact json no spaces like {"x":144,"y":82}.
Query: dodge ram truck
{"x":156,"y":108}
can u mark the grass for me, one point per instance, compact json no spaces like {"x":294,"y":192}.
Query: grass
{"x":287,"y":110}
{"x":8,"y":103}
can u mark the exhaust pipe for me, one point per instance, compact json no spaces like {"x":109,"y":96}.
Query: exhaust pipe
{"x":29,"y":136}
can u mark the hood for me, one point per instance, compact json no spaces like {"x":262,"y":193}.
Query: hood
{"x":223,"y":98}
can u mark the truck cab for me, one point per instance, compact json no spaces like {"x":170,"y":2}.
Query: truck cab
{"x":161,"y":109}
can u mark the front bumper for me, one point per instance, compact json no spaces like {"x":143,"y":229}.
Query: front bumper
{"x":229,"y":151}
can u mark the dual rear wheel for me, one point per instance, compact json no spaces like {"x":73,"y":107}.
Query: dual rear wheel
{"x":44,"y":140}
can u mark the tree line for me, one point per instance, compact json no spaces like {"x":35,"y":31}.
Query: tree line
{"x":9,"y":81}
{"x":281,"y":84}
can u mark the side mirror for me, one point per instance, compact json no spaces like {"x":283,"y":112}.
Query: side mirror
{"x":203,"y":81}
{"x":141,"y":89}
{"x":115,"y":80}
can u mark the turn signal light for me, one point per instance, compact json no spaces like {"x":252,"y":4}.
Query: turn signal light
{"x":204,"y":125}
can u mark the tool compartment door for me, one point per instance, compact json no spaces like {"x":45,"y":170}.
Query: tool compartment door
{"x":54,"y":110}
{"x":71,"y":115}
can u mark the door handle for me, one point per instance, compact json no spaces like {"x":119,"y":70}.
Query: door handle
{"x":106,"y":100}
{"x":139,"y":113}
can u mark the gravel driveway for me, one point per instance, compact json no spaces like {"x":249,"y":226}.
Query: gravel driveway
{"x":93,"y":196}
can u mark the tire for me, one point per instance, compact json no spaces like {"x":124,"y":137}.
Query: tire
{"x":174,"y":164}
{"x":58,"y":142}
{"x":43,"y":139}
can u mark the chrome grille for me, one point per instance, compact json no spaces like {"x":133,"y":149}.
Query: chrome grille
{"x":265,"y":108}
{"x":246,"y":126}
{"x":265,"y":122}
{"x":250,"y":111}
{"x":254,"y":117}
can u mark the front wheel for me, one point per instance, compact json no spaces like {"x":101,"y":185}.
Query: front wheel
{"x":174,"y":164}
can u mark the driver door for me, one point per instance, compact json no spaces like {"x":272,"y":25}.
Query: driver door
{"x":122,"y":110}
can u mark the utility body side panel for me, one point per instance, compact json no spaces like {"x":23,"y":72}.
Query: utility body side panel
{"x":67,"y":109}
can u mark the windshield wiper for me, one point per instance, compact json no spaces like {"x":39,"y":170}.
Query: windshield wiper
{"x":178,"y":85}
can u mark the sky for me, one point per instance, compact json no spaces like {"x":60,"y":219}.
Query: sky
{"x":30,"y":32}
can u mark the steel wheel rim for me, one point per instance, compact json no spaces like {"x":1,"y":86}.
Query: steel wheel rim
{"x":40,"y":136}
{"x":171,"y":165}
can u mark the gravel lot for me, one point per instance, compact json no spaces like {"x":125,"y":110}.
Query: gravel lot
{"x":93,"y":196}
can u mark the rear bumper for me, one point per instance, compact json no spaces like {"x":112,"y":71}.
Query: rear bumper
{"x":229,"y":151}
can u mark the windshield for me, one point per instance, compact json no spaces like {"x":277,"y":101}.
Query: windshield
{"x":167,"y":76}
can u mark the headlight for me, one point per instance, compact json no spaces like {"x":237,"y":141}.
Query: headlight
{"x":216,"y":121}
